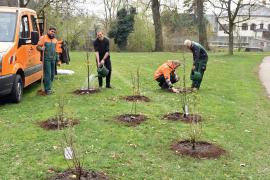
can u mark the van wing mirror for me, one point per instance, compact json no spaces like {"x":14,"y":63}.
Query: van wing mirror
{"x":34,"y":37}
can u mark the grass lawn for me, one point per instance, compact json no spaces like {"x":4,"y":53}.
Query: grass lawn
{"x":234,"y":106}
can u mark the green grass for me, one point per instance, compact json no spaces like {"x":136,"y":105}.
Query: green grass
{"x":233,"y":103}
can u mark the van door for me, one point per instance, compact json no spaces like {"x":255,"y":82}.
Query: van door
{"x":34,"y":62}
{"x":25,"y":49}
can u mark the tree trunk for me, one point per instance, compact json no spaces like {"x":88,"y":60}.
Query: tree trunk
{"x":24,"y":3}
{"x":11,"y":3}
{"x":230,"y":39}
{"x":158,"y":27}
{"x":106,"y":16}
{"x":201,"y":24}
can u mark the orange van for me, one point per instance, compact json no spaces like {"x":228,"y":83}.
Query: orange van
{"x":20,"y":63}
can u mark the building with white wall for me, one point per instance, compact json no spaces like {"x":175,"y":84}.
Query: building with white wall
{"x":254,"y":32}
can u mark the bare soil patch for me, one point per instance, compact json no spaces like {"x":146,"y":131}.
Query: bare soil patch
{"x":54,"y":123}
{"x":203,"y":150}
{"x":86,"y":91}
{"x":131,"y":119}
{"x":177,"y":116}
{"x":70,"y":174}
{"x":136,"y":98}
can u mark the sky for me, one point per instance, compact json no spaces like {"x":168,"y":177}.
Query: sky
{"x":97,"y":6}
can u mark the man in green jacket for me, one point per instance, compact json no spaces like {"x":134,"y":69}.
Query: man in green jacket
{"x":47,"y":44}
{"x":200,"y":59}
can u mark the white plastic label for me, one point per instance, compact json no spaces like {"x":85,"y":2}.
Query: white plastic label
{"x":68,"y":153}
{"x":186,"y":109}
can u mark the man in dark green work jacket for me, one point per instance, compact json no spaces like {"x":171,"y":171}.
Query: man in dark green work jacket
{"x":47,"y":44}
{"x":200,"y":59}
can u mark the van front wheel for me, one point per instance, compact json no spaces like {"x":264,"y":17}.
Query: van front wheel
{"x":17,"y":89}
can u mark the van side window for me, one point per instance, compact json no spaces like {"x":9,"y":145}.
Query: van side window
{"x":34,"y":23}
{"x":24,"y":28}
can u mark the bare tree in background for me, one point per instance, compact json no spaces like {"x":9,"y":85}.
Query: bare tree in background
{"x":12,"y":3}
{"x":227,"y":7}
{"x":40,"y":5}
{"x":111,"y":8}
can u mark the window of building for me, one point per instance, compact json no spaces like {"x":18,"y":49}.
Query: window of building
{"x":261,"y":26}
{"x":244,"y":26}
{"x":253,"y":27}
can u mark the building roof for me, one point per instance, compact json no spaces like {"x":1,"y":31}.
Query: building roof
{"x":256,"y":10}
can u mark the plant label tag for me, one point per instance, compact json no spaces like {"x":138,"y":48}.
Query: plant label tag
{"x":186,"y":109}
{"x":68,"y":153}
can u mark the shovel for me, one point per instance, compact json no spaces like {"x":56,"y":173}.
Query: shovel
{"x":41,"y":91}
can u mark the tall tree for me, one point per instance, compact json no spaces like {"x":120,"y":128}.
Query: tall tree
{"x":111,"y":7}
{"x":122,"y":27}
{"x":197,"y":7}
{"x":174,"y":22}
{"x":229,"y":9}
{"x":155,"y":5}
{"x":201,"y":23}
{"x":12,"y":3}
{"x":24,"y":3}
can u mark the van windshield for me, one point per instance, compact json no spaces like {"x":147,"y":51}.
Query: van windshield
{"x":7,"y":26}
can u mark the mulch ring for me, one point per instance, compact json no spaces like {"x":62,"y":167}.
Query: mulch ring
{"x":54,"y":123}
{"x":131,"y":119}
{"x":86,"y":91}
{"x":70,"y":174}
{"x":203,"y":150}
{"x":177,"y":116}
{"x":184,"y":90}
{"x":136,"y":98}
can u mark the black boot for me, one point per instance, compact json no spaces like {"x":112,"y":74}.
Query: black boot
{"x":100,"y":82}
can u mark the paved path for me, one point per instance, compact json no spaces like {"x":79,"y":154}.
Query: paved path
{"x":264,"y":74}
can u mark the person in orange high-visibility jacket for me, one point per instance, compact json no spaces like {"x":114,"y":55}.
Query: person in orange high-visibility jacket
{"x":48,"y":45}
{"x":59,"y":52}
{"x":165,"y":75}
